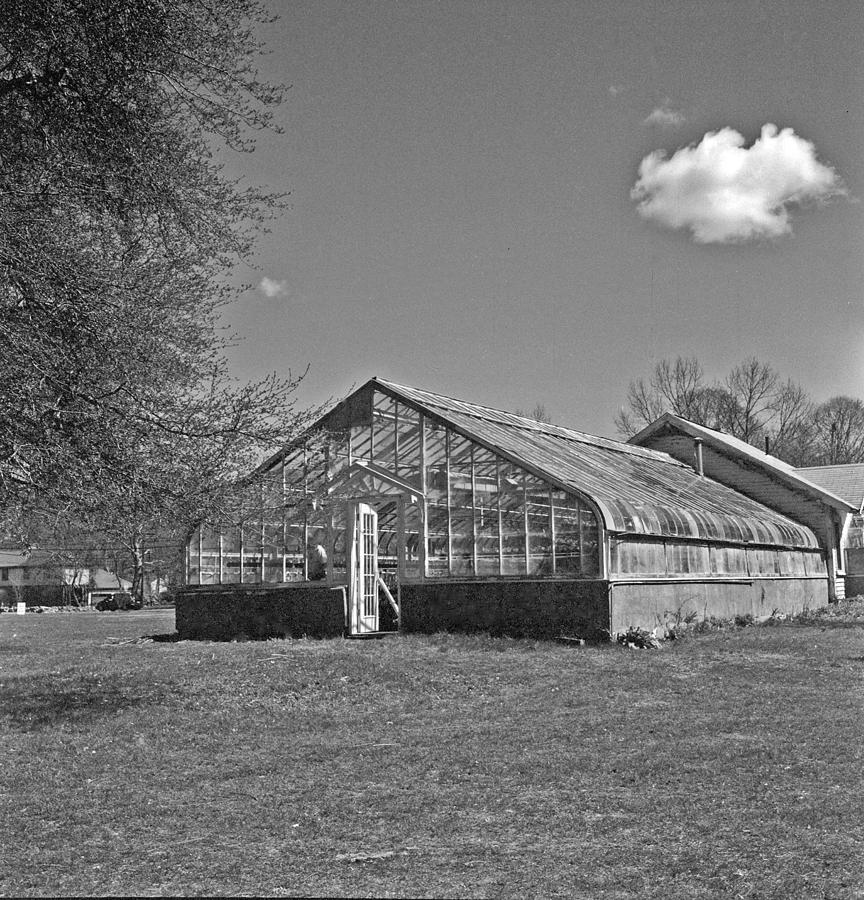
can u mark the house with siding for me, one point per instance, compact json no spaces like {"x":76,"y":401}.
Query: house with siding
{"x":402,"y":507}
{"x":846,"y":481}
{"x":39,"y":578}
{"x":36,"y":578}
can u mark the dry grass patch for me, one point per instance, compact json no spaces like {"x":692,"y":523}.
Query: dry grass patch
{"x":723,"y":765}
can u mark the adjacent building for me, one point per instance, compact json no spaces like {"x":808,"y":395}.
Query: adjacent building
{"x":846,"y":481}
{"x":765,"y":479}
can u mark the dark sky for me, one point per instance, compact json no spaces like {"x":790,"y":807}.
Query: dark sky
{"x":463,"y":215}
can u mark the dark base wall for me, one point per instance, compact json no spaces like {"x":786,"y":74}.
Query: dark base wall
{"x":854,"y":585}
{"x":648,"y":605}
{"x":230,"y":611}
{"x":539,"y":609}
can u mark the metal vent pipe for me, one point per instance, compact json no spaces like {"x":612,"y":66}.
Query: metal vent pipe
{"x":697,"y":447}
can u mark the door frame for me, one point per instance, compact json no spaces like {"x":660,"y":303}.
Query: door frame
{"x":363,"y":577}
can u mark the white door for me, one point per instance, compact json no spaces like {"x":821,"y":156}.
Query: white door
{"x":364,"y":570}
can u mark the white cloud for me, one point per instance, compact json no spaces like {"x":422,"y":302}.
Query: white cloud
{"x":725,"y":192}
{"x":271,"y":288}
{"x":616,"y":89}
{"x":665,"y":116}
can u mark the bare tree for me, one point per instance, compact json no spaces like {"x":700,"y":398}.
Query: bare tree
{"x":838,"y":432}
{"x":791,"y":419}
{"x":117,"y":228}
{"x":750,"y":387}
{"x":677,"y":387}
{"x":752,"y":403}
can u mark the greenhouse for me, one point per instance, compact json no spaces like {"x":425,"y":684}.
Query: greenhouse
{"x":403,"y":508}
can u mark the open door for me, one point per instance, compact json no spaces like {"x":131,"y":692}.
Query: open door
{"x":364,"y":570}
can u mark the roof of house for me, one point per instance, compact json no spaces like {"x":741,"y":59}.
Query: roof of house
{"x":752,"y":456}
{"x":637,"y":490}
{"x":102,"y":579}
{"x":15,"y":559}
{"x":12,"y":559}
{"x":846,"y":481}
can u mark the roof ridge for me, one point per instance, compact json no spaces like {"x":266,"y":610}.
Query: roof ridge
{"x":831,"y":466}
{"x":779,"y":467}
{"x":573,"y":434}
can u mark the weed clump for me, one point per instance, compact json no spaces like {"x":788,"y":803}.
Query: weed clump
{"x":639,"y":639}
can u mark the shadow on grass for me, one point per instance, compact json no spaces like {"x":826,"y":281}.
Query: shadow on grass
{"x":39,"y":702}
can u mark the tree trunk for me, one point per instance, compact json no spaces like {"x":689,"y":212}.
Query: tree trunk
{"x":137,"y":570}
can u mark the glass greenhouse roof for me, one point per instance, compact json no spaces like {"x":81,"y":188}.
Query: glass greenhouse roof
{"x":638,"y":491}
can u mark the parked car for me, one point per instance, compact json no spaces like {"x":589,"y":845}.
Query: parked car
{"x":117,"y":600}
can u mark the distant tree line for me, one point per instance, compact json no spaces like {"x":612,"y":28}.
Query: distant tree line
{"x":753,"y":403}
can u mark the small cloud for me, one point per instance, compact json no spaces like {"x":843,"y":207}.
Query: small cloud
{"x":724,"y":192}
{"x":271,"y":288}
{"x":616,"y":89}
{"x":665,"y":116}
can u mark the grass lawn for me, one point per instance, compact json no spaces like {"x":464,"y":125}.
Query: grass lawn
{"x":725,"y":765}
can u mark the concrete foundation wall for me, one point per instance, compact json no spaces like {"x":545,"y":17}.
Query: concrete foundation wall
{"x":227,"y":612}
{"x":539,"y":609}
{"x":648,"y":605}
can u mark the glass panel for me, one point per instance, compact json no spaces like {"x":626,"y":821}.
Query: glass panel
{"x":252,"y":552}
{"x":855,"y":536}
{"x":568,"y":560}
{"x":461,"y":507}
{"x":815,"y":565}
{"x":209,"y":556}
{"x":339,"y":546}
{"x":413,"y":528}
{"x":640,"y":557}
{"x":678,"y":561}
{"x":436,"y":462}
{"x":337,"y":454}
{"x":408,"y":449}
{"x":539,"y":526}
{"x":316,"y":542}
{"x":192,"y":573}
{"x":361,"y":441}
{"x":388,"y":536}
{"x":384,"y":431}
{"x":295,"y":549}
{"x":230,"y":554}
{"x":589,"y":541}
{"x":273,"y":530}
{"x":316,"y":462}
{"x":698,"y":559}
{"x":437,"y":555}
{"x":486,"y":520}
{"x":294,"y":476}
{"x":511,"y":498}
{"x":728,"y":561}
{"x":272,"y":550}
{"x":762,"y":561}
{"x":791,"y":562}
